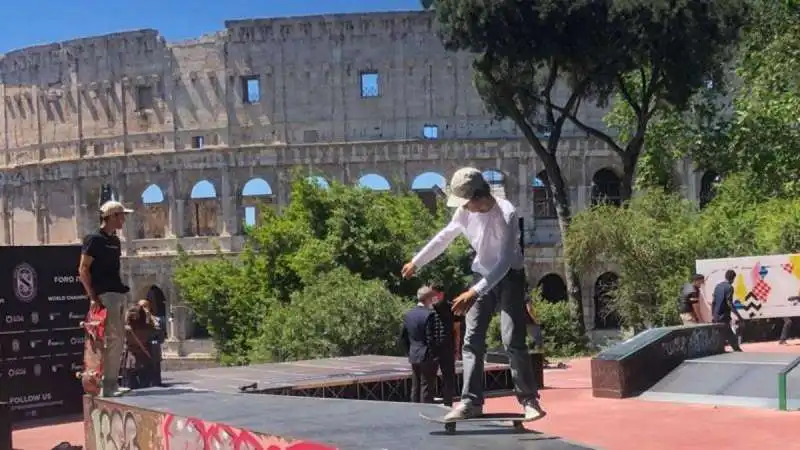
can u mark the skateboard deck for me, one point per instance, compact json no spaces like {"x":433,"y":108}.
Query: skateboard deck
{"x":517,"y":420}
{"x":95,"y":325}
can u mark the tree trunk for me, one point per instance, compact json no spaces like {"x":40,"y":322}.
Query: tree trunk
{"x":629,"y":160}
{"x":562,"y":206}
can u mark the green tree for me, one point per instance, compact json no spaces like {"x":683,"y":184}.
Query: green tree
{"x":339,"y":314}
{"x":765,"y":136}
{"x":650,"y":243}
{"x":528,"y":53}
{"x":369,"y":234}
{"x":655,"y":242}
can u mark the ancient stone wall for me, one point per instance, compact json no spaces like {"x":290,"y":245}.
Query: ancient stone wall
{"x":180,"y":131}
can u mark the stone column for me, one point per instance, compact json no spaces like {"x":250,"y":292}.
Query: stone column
{"x":5,"y":216}
{"x":37,"y":212}
{"x":127,"y":232}
{"x":175,"y":202}
{"x":523,"y":189}
{"x":228,"y":209}
{"x":283,"y":189}
{"x":79,"y":209}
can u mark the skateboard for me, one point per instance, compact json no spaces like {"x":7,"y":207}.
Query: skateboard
{"x":95,"y":325}
{"x":517,"y":420}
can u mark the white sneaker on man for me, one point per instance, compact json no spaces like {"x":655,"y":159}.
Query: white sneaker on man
{"x":534,"y":411}
{"x":464,"y":411}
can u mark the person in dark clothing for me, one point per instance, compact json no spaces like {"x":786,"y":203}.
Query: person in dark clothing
{"x":785,"y":330}
{"x":418,"y":340}
{"x":445,"y":346}
{"x":722,"y":307}
{"x":99,"y":270}
{"x":787,"y":321}
{"x":690,"y":296}
{"x":138,"y":361}
{"x":157,"y":338}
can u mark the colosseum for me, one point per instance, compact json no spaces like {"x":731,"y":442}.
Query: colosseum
{"x":198,"y":124}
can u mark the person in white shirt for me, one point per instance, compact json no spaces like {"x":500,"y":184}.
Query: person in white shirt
{"x":491,"y":226}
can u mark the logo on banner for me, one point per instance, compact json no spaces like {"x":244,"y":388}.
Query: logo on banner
{"x":25,"y":282}
{"x":34,"y":318}
{"x":15,"y":345}
{"x":37,"y":369}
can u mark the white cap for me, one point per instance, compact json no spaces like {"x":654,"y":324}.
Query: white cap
{"x":112,"y":207}
{"x":463,"y":185}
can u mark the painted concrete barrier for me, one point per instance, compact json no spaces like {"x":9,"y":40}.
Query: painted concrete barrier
{"x":112,"y":425}
{"x":633,"y":366}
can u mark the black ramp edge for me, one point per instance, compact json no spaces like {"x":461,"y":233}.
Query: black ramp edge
{"x":347,"y":424}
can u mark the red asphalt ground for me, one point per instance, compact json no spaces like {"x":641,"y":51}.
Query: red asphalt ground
{"x":573,"y":414}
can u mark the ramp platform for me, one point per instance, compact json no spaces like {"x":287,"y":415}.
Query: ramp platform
{"x":172,"y":418}
{"x":367,"y":377}
{"x":732,"y":379}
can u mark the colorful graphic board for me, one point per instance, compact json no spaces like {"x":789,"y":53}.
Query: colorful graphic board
{"x":765,"y":286}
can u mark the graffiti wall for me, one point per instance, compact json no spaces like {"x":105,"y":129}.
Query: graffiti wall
{"x":113,"y":426}
{"x":765,"y":286}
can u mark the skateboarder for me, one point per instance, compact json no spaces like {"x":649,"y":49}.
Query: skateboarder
{"x":492,"y":228}
{"x":99,"y":270}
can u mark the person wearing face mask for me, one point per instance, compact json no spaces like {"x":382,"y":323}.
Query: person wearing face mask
{"x":492,"y":227}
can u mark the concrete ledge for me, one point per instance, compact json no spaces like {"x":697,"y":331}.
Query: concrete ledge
{"x":633,"y":366}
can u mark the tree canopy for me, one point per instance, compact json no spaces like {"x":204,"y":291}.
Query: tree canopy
{"x":537,"y":61}
{"x":290,"y":259}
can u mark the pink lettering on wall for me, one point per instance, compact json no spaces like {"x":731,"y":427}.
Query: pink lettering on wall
{"x":189,"y":433}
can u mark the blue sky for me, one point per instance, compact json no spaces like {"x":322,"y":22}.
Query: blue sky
{"x":32,"y":22}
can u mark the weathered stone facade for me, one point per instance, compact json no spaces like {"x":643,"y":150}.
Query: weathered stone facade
{"x":341,"y":96}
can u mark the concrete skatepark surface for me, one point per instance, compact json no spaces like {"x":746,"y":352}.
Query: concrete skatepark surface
{"x":573,"y":414}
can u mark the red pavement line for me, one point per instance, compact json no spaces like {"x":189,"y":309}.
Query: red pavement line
{"x":573,"y":414}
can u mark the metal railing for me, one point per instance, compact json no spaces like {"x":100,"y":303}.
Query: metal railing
{"x":783,"y":395}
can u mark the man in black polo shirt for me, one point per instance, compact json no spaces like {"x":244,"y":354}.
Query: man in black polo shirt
{"x":99,"y":270}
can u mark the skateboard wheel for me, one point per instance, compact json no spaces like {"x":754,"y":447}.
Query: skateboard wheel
{"x":519,"y":426}
{"x":450,"y":427}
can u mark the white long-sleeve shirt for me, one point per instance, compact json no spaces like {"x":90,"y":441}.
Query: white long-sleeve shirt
{"x":494,"y":235}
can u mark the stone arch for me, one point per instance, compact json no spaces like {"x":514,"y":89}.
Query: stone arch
{"x":256,"y":195}
{"x":708,"y":187}
{"x":497,"y":182}
{"x":605,"y":318}
{"x":553,"y":288}
{"x":543,"y":206}
{"x":375,"y":182}
{"x":606,"y":188}
{"x":154,"y":214}
{"x":203,"y":210}
{"x":428,"y":186}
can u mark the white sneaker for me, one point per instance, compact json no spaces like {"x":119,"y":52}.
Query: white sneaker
{"x":533,"y":411}
{"x":464,"y":411}
{"x":120,"y":392}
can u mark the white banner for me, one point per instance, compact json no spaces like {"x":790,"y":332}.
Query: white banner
{"x":765,"y":286}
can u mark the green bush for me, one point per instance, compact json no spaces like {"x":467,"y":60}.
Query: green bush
{"x":339,"y":314}
{"x":558,"y":330}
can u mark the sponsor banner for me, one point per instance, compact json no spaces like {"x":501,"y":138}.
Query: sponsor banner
{"x":42,"y":303}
